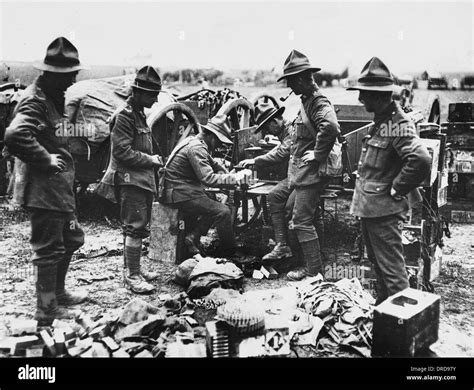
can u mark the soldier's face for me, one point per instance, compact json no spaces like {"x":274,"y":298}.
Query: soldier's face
{"x":274,"y":127}
{"x":294,"y":82}
{"x":147,"y":98}
{"x":63,"y":81}
{"x":369,"y":100}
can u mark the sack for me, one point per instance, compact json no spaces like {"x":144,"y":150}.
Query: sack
{"x":332,"y":167}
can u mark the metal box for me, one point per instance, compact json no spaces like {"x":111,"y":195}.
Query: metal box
{"x":461,"y":112}
{"x":405,"y":323}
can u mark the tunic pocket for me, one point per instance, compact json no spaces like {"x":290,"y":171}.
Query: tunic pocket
{"x":143,"y":140}
{"x":377,"y":152}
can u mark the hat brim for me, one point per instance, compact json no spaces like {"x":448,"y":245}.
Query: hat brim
{"x":298,"y":71}
{"x":278,"y":112}
{"x":146,"y":89}
{"x":379,"y":88}
{"x":59,"y":69}
{"x":220,"y":136}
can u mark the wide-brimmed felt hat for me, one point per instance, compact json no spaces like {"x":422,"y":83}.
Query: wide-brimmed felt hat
{"x":220,"y":128}
{"x":295,"y":63}
{"x":147,"y":79}
{"x":264,"y":113}
{"x":375,"y":76}
{"x":61,"y":57}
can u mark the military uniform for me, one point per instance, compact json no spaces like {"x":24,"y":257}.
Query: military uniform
{"x":386,"y":162}
{"x":188,"y":173}
{"x":130,"y":177}
{"x":49,"y":196}
{"x":305,"y":178}
{"x":45,"y":184}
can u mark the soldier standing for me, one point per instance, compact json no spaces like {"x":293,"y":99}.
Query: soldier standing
{"x":392,"y":165}
{"x":130,"y":176}
{"x":44,"y":178}
{"x":314,"y":133}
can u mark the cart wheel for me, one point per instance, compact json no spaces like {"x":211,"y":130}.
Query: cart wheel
{"x":240,"y":115}
{"x":265,"y":97}
{"x":170,"y":125}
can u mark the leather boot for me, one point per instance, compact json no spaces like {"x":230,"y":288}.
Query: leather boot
{"x":312,"y":260}
{"x":47,"y":309}
{"x":281,"y":251}
{"x":190,"y":242}
{"x":67,"y":297}
{"x":135,"y":281}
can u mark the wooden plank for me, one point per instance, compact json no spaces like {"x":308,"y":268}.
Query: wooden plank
{"x":246,"y":137}
{"x":164,"y":230}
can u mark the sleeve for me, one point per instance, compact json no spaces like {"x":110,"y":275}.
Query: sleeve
{"x":217,"y":167}
{"x":416,"y":162}
{"x":325,"y":121}
{"x":277,"y":155}
{"x":122,"y":141}
{"x":21,"y":136}
{"x":200,"y":162}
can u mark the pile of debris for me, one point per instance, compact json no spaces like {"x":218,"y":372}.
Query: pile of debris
{"x":345,"y":310}
{"x":224,"y":323}
{"x":141,"y":330}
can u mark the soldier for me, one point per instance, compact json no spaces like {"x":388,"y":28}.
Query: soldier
{"x":313,"y":134}
{"x":391,"y":166}
{"x":131,"y":173}
{"x":190,"y":169}
{"x":44,"y":171}
{"x":270,"y":120}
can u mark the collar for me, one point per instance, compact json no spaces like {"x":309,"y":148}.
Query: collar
{"x":314,"y":94}
{"x":388,"y":112}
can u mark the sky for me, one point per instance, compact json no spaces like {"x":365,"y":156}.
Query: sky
{"x":407,"y":36}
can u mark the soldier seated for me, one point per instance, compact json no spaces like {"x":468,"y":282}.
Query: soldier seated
{"x":189,"y":170}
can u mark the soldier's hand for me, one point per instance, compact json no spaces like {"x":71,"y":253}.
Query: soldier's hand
{"x":308,"y":156}
{"x":157,"y":161}
{"x":57,"y":164}
{"x":247,"y":162}
{"x":243,"y":177}
{"x":394,"y":194}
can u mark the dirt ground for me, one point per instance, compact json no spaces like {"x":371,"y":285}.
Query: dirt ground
{"x":102,"y":275}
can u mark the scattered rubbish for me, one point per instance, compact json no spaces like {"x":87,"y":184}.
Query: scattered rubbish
{"x":19,"y":327}
{"x":344,"y":311}
{"x":269,"y":272}
{"x":137,"y":310}
{"x":257,"y":274}
{"x":89,"y":278}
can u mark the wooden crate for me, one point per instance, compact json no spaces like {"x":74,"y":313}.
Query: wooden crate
{"x":405,"y":323}
{"x":165,"y":230}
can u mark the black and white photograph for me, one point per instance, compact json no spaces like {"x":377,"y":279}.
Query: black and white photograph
{"x":266,"y":191}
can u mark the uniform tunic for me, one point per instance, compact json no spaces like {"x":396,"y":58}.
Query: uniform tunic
{"x":33,"y":135}
{"x":392,"y":156}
